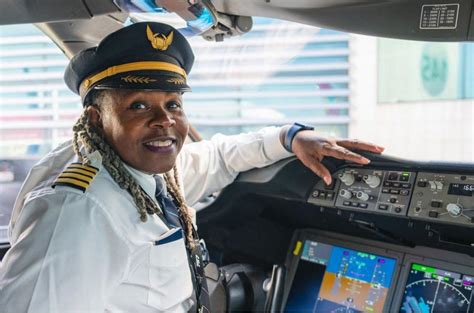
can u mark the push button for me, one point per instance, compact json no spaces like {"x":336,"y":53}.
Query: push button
{"x":394,"y":191}
{"x":363,"y":205}
{"x":393,"y":176}
{"x":396,"y":185}
{"x":433,"y":214}
{"x":329,"y":195}
{"x":404,"y":192}
{"x":406,"y":185}
{"x":346,"y":203}
{"x":331,"y":186}
{"x":387,"y":184}
{"x":393,"y":200}
{"x":422,"y":184}
{"x":355,"y":204}
{"x":385,"y":190}
{"x":435,"y":204}
{"x":383,"y":207}
{"x":404,"y":178}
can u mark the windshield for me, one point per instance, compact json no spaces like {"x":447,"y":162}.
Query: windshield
{"x":414,"y":98}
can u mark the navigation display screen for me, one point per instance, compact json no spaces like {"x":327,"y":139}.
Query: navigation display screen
{"x":433,"y":290}
{"x":335,"y":279}
{"x":461,"y":189}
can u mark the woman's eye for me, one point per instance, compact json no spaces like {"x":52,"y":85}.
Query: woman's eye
{"x":174,"y":105}
{"x":138,"y":106}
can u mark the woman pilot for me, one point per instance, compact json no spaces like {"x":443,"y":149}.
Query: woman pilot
{"x":102,"y":223}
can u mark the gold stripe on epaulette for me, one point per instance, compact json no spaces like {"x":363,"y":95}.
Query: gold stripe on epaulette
{"x":84,"y":167}
{"x":80,"y":171}
{"x":76,"y":175}
{"x":86,"y":179}
{"x":71,"y":182}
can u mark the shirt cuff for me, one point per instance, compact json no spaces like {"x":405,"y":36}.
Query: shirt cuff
{"x":272,"y":146}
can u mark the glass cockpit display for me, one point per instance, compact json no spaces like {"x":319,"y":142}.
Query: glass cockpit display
{"x":434,"y":290}
{"x":336,"y":279}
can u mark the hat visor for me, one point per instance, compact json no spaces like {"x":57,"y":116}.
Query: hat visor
{"x":144,"y":81}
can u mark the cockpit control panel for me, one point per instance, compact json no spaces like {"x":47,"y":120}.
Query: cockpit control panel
{"x":445,"y":197}
{"x":440,"y":197}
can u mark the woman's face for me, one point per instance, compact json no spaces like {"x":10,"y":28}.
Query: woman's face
{"x":146,"y":128}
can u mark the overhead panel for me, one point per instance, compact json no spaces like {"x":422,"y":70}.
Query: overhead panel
{"x":428,"y":20}
{"x":26,"y":11}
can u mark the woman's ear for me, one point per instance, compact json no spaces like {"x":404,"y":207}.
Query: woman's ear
{"x":95,"y":116}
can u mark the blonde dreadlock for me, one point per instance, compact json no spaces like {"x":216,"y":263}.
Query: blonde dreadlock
{"x":92,"y":140}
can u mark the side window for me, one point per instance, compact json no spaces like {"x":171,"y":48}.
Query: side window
{"x":36,"y":108}
{"x":278,"y":73}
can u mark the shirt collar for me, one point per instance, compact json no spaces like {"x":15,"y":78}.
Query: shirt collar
{"x":146,"y":181}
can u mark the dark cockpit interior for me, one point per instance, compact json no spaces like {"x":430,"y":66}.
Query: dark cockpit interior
{"x":396,"y":235}
{"x":379,"y":228}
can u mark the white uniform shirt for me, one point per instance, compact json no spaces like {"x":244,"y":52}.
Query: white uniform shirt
{"x":75,"y":252}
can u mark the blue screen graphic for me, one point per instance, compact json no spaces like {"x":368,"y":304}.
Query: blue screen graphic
{"x":336,"y":279}
{"x":362,"y":266}
{"x":434,"y":290}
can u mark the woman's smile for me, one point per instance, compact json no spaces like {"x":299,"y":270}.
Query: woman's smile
{"x":146,"y":128}
{"x":161,"y":145}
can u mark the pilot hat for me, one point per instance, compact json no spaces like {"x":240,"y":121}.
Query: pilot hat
{"x":142,"y":56}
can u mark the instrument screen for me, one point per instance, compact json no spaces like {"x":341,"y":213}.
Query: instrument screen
{"x":330,"y":278}
{"x":434,"y":290}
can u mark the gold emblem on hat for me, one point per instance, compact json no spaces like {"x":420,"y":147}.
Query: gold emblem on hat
{"x":159,"y":41}
{"x":176,"y":81}
{"x":138,"y":79}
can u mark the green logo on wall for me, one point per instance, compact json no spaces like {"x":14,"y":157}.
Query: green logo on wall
{"x":434,"y":68}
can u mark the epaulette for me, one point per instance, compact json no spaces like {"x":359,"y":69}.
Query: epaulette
{"x":76,"y":175}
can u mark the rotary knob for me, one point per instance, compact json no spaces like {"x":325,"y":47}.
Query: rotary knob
{"x":362,"y":196}
{"x":454,"y":209}
{"x":346,"y":194}
{"x":347,"y":178}
{"x":372,"y":180}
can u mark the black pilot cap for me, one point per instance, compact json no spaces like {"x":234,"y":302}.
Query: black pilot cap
{"x":144,"y":56}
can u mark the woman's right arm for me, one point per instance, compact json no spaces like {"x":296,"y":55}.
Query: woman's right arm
{"x":66,"y":256}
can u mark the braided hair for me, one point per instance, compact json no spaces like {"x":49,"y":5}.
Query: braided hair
{"x":88,"y":135}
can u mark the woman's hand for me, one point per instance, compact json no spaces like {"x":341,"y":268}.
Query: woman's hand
{"x":311,"y":149}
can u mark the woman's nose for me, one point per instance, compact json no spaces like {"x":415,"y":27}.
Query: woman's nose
{"x":162,"y":118}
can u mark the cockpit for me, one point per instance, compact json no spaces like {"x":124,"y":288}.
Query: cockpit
{"x":385,"y":237}
{"x":396,"y":235}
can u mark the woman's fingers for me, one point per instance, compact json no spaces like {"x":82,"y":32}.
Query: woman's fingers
{"x":354,"y":144}
{"x":344,"y":154}
{"x":311,"y":149}
{"x":319,"y":169}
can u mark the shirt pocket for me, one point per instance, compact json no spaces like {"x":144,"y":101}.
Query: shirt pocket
{"x":169,"y":273}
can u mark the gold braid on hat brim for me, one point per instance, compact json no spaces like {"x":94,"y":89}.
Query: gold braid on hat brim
{"x":129,"y":67}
